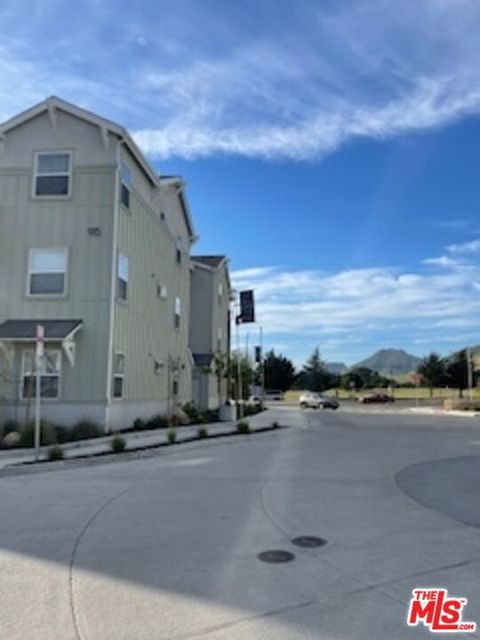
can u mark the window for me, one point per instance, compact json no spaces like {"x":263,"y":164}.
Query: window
{"x":219,"y":338}
{"x":220,"y":292}
{"x":126,"y":185}
{"x":162,"y":291}
{"x":49,"y":374}
{"x":175,"y":388}
{"x":179,"y":250}
{"x":178,"y":309}
{"x":47,"y":272}
{"x":118,"y":374}
{"x":52,"y":174}
{"x":122,"y":277}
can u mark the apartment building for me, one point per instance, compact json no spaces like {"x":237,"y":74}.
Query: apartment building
{"x":210,"y":330}
{"x":94,"y":246}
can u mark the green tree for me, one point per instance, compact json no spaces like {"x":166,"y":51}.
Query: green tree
{"x":433,"y":372}
{"x":279,"y":371}
{"x":457,"y":371}
{"x":314,"y":376}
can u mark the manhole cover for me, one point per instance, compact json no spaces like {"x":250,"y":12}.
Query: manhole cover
{"x":276,"y":555}
{"x":309,"y":541}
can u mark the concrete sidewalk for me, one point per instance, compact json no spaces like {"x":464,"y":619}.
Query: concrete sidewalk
{"x":137,"y":440}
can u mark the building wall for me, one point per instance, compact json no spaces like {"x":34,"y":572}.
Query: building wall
{"x":27,"y":222}
{"x":143,"y":327}
{"x":155,"y":351}
{"x":210,"y":313}
{"x":201,"y":293}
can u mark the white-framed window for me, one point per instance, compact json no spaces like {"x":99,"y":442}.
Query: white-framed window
{"x":118,"y":374}
{"x":220,"y":292}
{"x":125,"y":184}
{"x":219,"y":338}
{"x":178,"y":313}
{"x":122,"y":277}
{"x":50,"y":374}
{"x":47,"y":272}
{"x":52,"y":174}
{"x":162,"y":291}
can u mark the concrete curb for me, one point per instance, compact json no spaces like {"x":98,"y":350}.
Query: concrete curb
{"x":442,"y":412}
{"x":99,"y":447}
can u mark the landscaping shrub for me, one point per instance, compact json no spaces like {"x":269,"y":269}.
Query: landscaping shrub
{"x":9,"y":426}
{"x":243,"y":426}
{"x":210,"y":415}
{"x":202,"y":432}
{"x":191,"y":410}
{"x":48,"y":435}
{"x":139,"y":424}
{"x":171,"y":436}
{"x":85,"y":429}
{"x":55,"y":453}
{"x":157,"y":422}
{"x":118,"y":444}
{"x":62,"y":433}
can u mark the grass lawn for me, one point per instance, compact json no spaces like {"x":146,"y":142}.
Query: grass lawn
{"x":399,"y":393}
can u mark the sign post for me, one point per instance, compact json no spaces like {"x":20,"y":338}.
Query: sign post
{"x":39,"y":352}
{"x":246,"y":315}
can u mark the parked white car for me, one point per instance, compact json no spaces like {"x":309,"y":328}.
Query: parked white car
{"x":310,"y":400}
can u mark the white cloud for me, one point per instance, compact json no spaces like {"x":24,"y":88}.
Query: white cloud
{"x":363,"y":301}
{"x":443,"y":261}
{"x":295,"y":88}
{"x":472,"y":246}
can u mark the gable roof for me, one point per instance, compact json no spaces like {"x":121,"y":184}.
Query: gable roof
{"x":210,"y":261}
{"x":179,"y":183}
{"x":53,"y":102}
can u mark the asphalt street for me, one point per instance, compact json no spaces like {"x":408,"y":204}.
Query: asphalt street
{"x":166,"y":544}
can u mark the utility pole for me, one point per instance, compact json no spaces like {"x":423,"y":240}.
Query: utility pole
{"x":239,"y":370}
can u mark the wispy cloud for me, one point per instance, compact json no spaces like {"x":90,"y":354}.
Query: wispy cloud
{"x":218,"y":82}
{"x":366,"y":306}
{"x":472,"y":246}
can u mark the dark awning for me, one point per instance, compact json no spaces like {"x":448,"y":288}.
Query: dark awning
{"x":26,"y":330}
{"x":202,"y":359}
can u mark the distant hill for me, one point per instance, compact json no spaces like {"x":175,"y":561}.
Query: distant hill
{"x":336,"y":367}
{"x":390,"y":362}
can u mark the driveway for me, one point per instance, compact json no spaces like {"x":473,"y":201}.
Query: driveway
{"x":166,"y":544}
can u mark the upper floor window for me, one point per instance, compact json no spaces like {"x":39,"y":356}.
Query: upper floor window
{"x":49,"y":374}
{"x":126,"y":185}
{"x":53,"y":171}
{"x":178,"y":250}
{"x":219,"y":338}
{"x":178,"y":311}
{"x":47,"y":272}
{"x":220,"y":292}
{"x":122,"y":277}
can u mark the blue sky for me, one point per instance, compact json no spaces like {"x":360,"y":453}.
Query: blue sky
{"x":330,"y":147}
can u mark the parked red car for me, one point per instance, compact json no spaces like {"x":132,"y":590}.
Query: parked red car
{"x":371,"y":398}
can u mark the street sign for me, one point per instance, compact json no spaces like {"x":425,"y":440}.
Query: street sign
{"x":247,"y":306}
